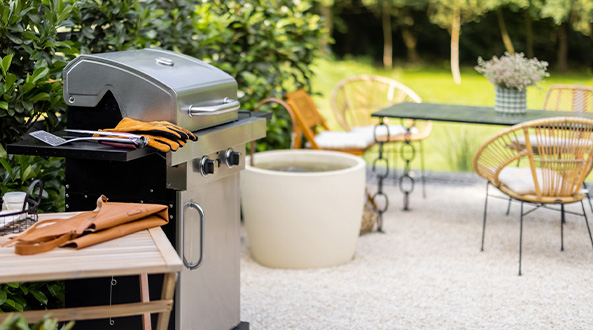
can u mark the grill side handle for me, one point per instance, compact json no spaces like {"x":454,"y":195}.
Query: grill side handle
{"x":192,"y":265}
{"x":227,"y":105}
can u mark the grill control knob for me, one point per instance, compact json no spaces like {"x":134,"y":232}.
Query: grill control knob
{"x":232,"y":158}
{"x":208,"y":166}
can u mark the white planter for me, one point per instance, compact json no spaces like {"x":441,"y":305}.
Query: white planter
{"x":303,"y":220}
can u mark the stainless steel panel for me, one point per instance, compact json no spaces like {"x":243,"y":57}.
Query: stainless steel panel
{"x":219,"y":138}
{"x":208,"y":297}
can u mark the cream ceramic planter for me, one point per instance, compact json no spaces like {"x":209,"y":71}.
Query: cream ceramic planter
{"x":303,"y":220}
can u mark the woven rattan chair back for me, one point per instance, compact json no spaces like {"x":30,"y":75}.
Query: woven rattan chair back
{"x":569,"y":98}
{"x":354,"y":99}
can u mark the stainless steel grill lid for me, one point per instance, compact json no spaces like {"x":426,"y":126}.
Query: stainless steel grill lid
{"x":154,"y":84}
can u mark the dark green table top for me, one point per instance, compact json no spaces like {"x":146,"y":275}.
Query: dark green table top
{"x":468,"y":114}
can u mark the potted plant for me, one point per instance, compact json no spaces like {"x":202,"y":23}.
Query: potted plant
{"x":511,"y":75}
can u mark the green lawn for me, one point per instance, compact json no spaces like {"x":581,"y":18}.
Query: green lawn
{"x":435,"y":85}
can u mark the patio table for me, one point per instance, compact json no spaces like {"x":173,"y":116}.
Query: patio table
{"x":460,"y":114}
{"x":141,"y":253}
{"x":468,"y":114}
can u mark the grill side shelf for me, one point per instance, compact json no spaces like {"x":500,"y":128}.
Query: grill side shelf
{"x":93,"y":150}
{"x":81,"y":150}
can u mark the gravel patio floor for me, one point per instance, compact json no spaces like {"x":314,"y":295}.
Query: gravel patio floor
{"x":427,"y":272}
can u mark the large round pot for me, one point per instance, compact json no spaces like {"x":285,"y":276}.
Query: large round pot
{"x":303,"y":220}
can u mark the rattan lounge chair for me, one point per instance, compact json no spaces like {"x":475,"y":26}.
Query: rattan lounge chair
{"x":354,"y":99}
{"x":569,"y":98}
{"x":317,"y":132}
{"x":559,"y":153}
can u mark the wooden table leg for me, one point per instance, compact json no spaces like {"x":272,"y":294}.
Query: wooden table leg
{"x":167,"y":293}
{"x":145,"y":297}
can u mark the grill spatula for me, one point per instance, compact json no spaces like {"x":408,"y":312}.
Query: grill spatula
{"x":54,"y":140}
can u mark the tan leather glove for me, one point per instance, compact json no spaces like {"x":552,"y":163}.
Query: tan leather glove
{"x":155,"y":128}
{"x":163,"y":144}
{"x":180,"y":130}
{"x":161,"y":135}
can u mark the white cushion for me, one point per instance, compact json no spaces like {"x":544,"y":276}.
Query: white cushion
{"x":547,"y":141}
{"x":520,"y":179}
{"x":394,"y":130}
{"x":344,"y":140}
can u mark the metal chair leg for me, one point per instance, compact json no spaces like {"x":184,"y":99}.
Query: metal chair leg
{"x":587,"y":222}
{"x":509,"y":206}
{"x":485,"y":212}
{"x":588,"y":196}
{"x":562,"y":221}
{"x":521,"y":238}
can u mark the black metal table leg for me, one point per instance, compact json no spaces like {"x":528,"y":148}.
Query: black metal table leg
{"x":381,"y":176}
{"x":406,"y":181}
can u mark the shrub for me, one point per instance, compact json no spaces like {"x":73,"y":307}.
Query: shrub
{"x":19,"y":171}
{"x":170,"y":25}
{"x":100,"y":26}
{"x":31,"y":64}
{"x":31,"y":61}
{"x":268,"y":46}
{"x":31,"y":67}
{"x":19,"y":297}
{"x":17,"y":322}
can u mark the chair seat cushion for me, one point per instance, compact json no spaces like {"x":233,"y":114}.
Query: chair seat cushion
{"x":547,"y":141}
{"x":520,"y":179}
{"x":394,"y":130}
{"x":345,"y":140}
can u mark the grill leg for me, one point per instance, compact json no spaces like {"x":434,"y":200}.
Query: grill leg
{"x":521,"y":238}
{"x":485,"y":212}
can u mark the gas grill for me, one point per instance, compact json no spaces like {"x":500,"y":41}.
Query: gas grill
{"x":199,"y":182}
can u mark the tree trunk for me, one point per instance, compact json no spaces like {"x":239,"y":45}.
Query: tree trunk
{"x":529,"y":32}
{"x":387,"y":37}
{"x":455,"y":30}
{"x":563,"y":47}
{"x":591,"y":37}
{"x":410,"y":42}
{"x":326,"y":13}
{"x":506,"y":39}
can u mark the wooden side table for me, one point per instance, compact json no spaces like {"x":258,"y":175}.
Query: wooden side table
{"x":145,"y":252}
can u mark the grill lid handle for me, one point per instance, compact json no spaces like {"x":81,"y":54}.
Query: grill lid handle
{"x":227,"y":105}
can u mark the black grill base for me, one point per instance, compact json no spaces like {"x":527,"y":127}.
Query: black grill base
{"x":137,"y":181}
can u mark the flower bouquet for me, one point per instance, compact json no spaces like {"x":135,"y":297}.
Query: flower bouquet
{"x":511,"y":75}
